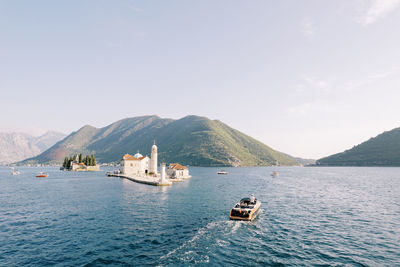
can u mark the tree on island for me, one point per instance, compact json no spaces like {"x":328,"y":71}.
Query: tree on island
{"x":87,"y":160}
{"x":71,"y":159}
{"x":66,"y":162}
{"x":93,"y":160}
{"x":90,"y":160}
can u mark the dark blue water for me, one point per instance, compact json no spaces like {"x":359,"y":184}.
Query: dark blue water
{"x":310,"y":216}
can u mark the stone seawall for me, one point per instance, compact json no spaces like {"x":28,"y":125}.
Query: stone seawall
{"x":142,"y":179}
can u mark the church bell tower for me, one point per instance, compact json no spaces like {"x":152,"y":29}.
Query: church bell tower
{"x":153,"y":158}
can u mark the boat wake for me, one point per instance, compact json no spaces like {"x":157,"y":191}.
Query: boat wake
{"x":236,"y":225}
{"x":200,"y":233}
{"x":213,"y":236}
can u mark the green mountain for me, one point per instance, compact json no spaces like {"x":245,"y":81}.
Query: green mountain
{"x":382,"y":150}
{"x":192,"y":140}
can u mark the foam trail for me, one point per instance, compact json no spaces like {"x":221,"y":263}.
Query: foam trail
{"x":236,"y":226}
{"x":199,"y":234}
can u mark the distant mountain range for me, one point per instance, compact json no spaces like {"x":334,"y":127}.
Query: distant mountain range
{"x":305,"y":162}
{"x":382,"y":150}
{"x":192,"y":140}
{"x":15,"y":147}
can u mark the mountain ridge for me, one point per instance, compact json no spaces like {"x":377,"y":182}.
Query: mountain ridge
{"x":381,"y":150}
{"x":191,"y":140}
{"x":15,"y":146}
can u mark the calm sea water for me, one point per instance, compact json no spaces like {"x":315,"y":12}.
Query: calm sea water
{"x":310,"y":216}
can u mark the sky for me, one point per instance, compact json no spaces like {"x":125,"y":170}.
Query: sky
{"x":308,"y":78}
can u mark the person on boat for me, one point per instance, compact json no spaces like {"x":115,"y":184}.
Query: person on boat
{"x":252,"y":199}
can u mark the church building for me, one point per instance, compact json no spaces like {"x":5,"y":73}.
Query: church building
{"x":139,"y":165}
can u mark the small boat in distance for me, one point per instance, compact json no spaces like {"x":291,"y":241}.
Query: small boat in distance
{"x":246,"y":210}
{"x":274,"y":174}
{"x":222,"y":172}
{"x":42,"y":174}
{"x":15,"y":172}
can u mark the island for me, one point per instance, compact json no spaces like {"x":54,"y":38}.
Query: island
{"x":80,"y":163}
{"x":142,"y":169}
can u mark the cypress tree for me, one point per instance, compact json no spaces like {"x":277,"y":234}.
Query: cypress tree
{"x":69,"y":163}
{"x":80,"y":158}
{"x":65,"y":163}
{"x":93,"y":160}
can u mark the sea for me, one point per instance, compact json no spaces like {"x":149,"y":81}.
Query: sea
{"x":310,"y":216}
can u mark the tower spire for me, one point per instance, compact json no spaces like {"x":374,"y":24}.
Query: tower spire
{"x":153,"y":159}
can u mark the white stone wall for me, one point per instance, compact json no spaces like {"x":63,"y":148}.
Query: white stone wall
{"x":130,"y":167}
{"x":185,"y":173}
{"x":144,"y":165}
{"x":135,"y":167}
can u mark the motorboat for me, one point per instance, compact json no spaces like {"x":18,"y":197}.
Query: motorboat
{"x":274,"y":174}
{"x":222,"y":172}
{"x":246,"y":209}
{"x":42,"y":175}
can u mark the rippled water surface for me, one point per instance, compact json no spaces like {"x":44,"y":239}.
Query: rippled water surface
{"x":309,"y":216}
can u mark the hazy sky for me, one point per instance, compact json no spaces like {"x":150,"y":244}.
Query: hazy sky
{"x":309,"y":78}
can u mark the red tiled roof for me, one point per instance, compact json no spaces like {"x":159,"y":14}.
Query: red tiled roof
{"x":77,"y":163}
{"x":130,"y":157}
{"x":176,"y":166}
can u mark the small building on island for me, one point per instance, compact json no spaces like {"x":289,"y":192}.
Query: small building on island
{"x":76,"y":166}
{"x":177,"y":171}
{"x":143,"y":166}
